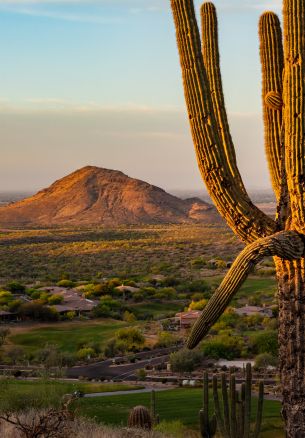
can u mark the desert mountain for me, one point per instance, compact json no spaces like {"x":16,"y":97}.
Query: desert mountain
{"x":93,"y":195}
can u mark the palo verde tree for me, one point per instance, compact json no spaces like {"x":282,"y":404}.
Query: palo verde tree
{"x":283,"y":71}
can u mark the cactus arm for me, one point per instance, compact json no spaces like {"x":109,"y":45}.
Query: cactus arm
{"x":287,"y":245}
{"x":259,"y":415}
{"x":234,"y":205}
{"x":220,"y":421}
{"x":272,"y":60}
{"x":248,"y":389}
{"x":211,"y":59}
{"x":294,"y":90}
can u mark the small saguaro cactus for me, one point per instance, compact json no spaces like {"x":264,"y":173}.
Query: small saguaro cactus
{"x":140,"y":418}
{"x":207,"y":425}
{"x":234,"y":418}
{"x":283,"y":98}
{"x":154,"y":416}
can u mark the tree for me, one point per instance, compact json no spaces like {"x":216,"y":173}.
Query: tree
{"x":284,"y":117}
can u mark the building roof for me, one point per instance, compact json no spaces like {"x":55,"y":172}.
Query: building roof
{"x":72,"y":300}
{"x":192,"y":314}
{"x":127,"y":288}
{"x":251,"y":310}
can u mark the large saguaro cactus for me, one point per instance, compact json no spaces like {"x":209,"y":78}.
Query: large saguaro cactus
{"x":283,"y":89}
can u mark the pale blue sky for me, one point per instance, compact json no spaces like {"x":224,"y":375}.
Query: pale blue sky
{"x":98,"y":82}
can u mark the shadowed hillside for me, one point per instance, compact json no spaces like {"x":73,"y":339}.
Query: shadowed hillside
{"x":93,"y":195}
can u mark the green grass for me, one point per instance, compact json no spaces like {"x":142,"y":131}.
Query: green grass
{"x":177,"y":404}
{"x":254,"y":284}
{"x":157,"y":310}
{"x":19,"y":387}
{"x":67,"y":336}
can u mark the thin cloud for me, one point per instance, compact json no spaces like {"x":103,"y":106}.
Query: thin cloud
{"x":61,"y":105}
{"x":66,"y":16}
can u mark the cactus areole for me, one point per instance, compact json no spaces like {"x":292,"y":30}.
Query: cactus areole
{"x":283,"y":89}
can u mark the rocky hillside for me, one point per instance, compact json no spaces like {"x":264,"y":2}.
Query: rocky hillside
{"x":93,"y":195}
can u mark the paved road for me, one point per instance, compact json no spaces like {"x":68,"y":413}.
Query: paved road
{"x":107,"y":370}
{"x":132,"y":391}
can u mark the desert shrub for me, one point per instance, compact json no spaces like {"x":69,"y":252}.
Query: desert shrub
{"x":266,"y":342}
{"x":131,"y":337}
{"x":166,"y":339}
{"x":15,"y":287}
{"x":14,"y":355}
{"x":38,"y":312}
{"x":195,"y":286}
{"x":138,"y":297}
{"x":70,"y":315}
{"x":223,"y":347}
{"x":198,"y":305}
{"x":198,"y":263}
{"x":185,"y":361}
{"x":5,"y":297}
{"x":141,"y":374}
{"x":4,"y":333}
{"x":86,"y":353}
{"x":13,"y":306}
{"x":166,"y":293}
{"x":55,"y":299}
{"x":265,"y":360}
{"x":129,"y":317}
{"x":66,"y":283}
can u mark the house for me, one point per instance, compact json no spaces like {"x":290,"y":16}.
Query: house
{"x":72,"y":301}
{"x":187,"y":319}
{"x":127,"y":291}
{"x":7,"y":316}
{"x":254,"y":310}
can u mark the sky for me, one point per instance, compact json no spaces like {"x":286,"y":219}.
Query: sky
{"x":98,"y":82}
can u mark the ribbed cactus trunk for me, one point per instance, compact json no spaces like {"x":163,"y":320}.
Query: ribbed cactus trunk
{"x":291,"y":296}
{"x":283,"y":92}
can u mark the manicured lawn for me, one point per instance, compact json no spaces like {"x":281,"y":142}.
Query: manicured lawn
{"x":66,"y":336}
{"x":18,"y":395}
{"x":254,"y":284}
{"x":156,"y":310}
{"x":177,"y":404}
{"x":64,"y":387}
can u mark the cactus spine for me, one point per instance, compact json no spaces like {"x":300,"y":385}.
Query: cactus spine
{"x":234,"y":419}
{"x":140,"y":418}
{"x":207,"y":426}
{"x":283,"y":83}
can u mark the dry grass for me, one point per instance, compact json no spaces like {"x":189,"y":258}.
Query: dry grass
{"x":81,"y":429}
